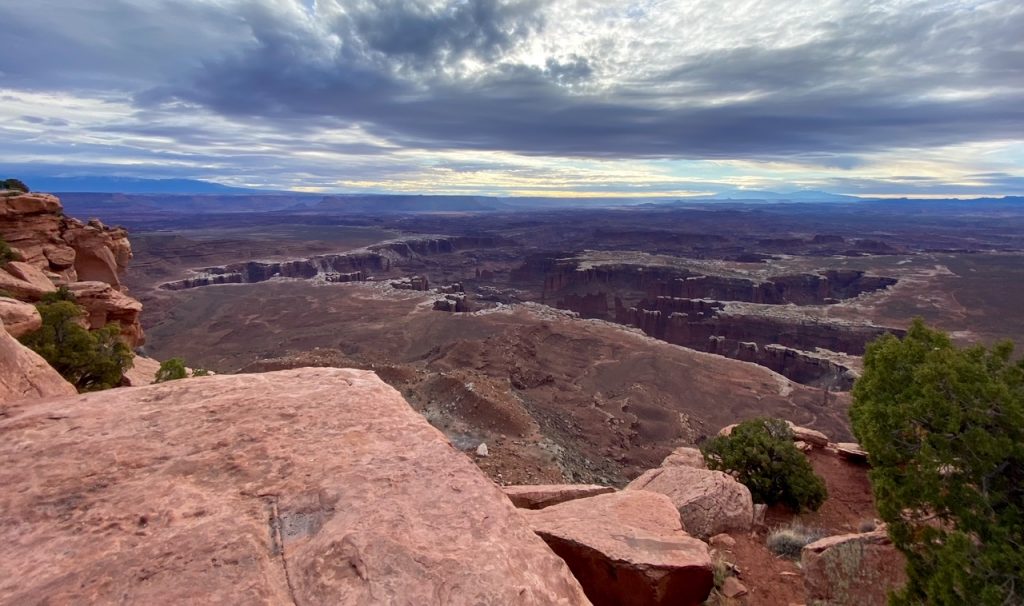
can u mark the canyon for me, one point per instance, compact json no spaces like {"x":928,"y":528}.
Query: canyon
{"x":574,"y":358}
{"x":581,"y":344}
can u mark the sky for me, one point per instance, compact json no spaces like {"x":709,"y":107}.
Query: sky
{"x":521,"y":97}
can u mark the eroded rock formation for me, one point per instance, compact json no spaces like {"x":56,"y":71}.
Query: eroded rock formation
{"x":309,"y":486}
{"x":57,"y":250}
{"x":104,"y":305}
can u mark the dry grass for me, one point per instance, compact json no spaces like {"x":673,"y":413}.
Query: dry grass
{"x":787,"y":541}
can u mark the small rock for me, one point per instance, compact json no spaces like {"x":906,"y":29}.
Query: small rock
{"x":722,"y":541}
{"x":732,"y":588}
{"x":686,"y":456}
{"x":802,"y":446}
{"x":851,"y":451}
{"x":481,"y":450}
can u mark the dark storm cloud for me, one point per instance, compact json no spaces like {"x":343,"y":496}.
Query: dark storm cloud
{"x":874,"y":84}
{"x":483,"y":28}
{"x":463,"y":75}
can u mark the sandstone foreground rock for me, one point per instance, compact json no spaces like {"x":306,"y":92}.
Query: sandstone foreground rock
{"x":852,"y":570}
{"x":308,"y":486}
{"x":539,"y":496}
{"x":24,"y":375}
{"x":628,"y":549}
{"x":709,"y":502}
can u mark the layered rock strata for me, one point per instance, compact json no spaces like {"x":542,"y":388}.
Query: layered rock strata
{"x":56,"y":250}
{"x":358,"y":264}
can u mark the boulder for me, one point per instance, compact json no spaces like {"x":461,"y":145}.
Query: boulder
{"x":539,"y":496}
{"x":142,"y":372}
{"x":628,"y":548}
{"x":31,"y":274}
{"x":19,"y":318}
{"x":307,"y":486}
{"x":24,"y":375}
{"x":810,"y":436}
{"x":13,"y":283}
{"x":686,"y":456}
{"x":852,"y":570}
{"x":104,"y":304}
{"x":851,"y":451}
{"x":722,"y":541}
{"x":709,"y":502}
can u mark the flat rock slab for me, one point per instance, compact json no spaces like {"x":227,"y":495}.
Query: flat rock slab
{"x":852,"y":569}
{"x":628,"y":548}
{"x":852,"y":451}
{"x":809,"y":436}
{"x":307,"y":486}
{"x":709,"y":502}
{"x":539,"y":496}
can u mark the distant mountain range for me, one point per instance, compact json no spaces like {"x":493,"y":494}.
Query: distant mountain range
{"x":804,"y":195}
{"x":129,"y":185}
{"x":104,"y":190}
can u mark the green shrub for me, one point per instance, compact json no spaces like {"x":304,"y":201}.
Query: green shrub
{"x":944,"y":429}
{"x":61,"y":294}
{"x":89,"y":360}
{"x":789,"y":540}
{"x":171,"y":370}
{"x":6,"y":253}
{"x":14,"y":185}
{"x":761,"y":455}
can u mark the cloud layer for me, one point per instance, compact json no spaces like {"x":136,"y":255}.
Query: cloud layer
{"x":519,"y":96}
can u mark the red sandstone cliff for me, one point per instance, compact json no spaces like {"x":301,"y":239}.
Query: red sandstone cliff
{"x":56,"y":250}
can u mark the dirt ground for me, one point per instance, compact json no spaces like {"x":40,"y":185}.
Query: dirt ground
{"x":773,"y":580}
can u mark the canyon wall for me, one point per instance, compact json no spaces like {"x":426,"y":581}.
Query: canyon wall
{"x":341,"y":267}
{"x":720,"y":313}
